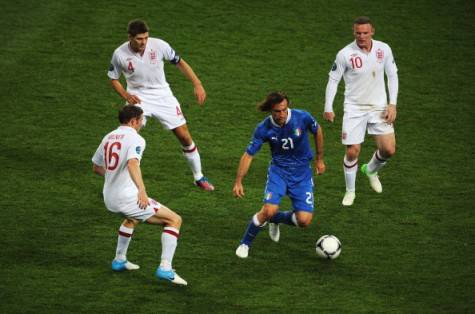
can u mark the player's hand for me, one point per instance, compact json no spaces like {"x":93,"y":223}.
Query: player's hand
{"x":142,"y":199}
{"x":329,"y":116}
{"x":390,"y":113}
{"x":238,"y":190}
{"x":320,"y":167}
{"x":132,"y":99}
{"x":200,"y":94}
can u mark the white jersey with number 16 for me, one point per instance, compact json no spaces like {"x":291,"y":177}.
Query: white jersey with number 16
{"x":115,"y":150}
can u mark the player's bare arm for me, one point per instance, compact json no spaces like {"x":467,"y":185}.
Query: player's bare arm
{"x":98,"y":170}
{"x":319,"y":146}
{"x":199,"y":90}
{"x":390,"y":113}
{"x":131,"y":99}
{"x":244,"y":165}
{"x":134,"y":169}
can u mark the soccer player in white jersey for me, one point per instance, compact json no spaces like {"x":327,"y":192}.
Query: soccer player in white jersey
{"x":362,"y":64}
{"x":118,"y":159}
{"x":141,"y":61}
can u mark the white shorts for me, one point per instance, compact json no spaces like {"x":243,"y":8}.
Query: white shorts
{"x":132,"y":210}
{"x":355,"y":124}
{"x":165,"y":109}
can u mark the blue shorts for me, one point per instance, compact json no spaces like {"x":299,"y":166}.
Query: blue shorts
{"x":297,"y":183}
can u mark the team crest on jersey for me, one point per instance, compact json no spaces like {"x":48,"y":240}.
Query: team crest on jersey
{"x":269,"y":196}
{"x":379,"y":55}
{"x":298,"y":132}
{"x":138,"y":149}
{"x":153,"y":56}
{"x":343,"y":135}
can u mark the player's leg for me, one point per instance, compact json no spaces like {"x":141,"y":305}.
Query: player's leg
{"x":304,"y":218}
{"x":273,"y":192}
{"x":126,"y":231}
{"x":192,"y":156}
{"x":350,"y":169}
{"x":256,"y":224}
{"x":300,"y":191}
{"x":171,"y":232}
{"x":386,"y":148}
{"x":134,"y":214}
{"x":168,"y":111}
{"x":353,"y":132}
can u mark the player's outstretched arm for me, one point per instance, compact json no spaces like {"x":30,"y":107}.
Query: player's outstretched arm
{"x":319,"y":163}
{"x":244,"y":165}
{"x":134,"y":169}
{"x":199,"y":91}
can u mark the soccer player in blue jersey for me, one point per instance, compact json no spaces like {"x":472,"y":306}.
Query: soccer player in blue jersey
{"x":290,"y":172}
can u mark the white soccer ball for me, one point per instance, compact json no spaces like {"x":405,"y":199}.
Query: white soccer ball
{"x":328,"y":247}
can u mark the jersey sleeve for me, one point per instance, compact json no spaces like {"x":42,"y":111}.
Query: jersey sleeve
{"x":391,"y":72}
{"x":169,"y":54}
{"x":98,"y":158}
{"x":310,"y":123}
{"x":114,"y":71}
{"x":338,"y":68}
{"x":136,"y":149}
{"x":256,"y":142}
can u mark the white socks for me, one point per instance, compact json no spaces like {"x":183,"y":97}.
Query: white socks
{"x":350,"y":169}
{"x":125,"y":235}
{"x":193,"y":158}
{"x":169,"y":242}
{"x":376,"y":162}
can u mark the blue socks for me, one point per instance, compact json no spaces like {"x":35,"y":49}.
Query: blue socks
{"x":283,"y":217}
{"x":252,"y":230}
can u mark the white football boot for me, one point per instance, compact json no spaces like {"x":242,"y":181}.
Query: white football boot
{"x":373,"y":179}
{"x":242,"y":251}
{"x":170,"y":275}
{"x":274,"y":232}
{"x":349,"y":198}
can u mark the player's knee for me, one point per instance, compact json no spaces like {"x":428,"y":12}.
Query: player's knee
{"x":130,"y":223}
{"x":176,"y":221}
{"x":269,"y":212}
{"x":305,"y":222}
{"x":352,"y":153}
{"x":388,"y":152}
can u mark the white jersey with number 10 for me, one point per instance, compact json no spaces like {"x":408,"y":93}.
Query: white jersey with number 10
{"x":364,"y":75}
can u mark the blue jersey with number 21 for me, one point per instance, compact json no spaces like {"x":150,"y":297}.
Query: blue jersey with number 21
{"x":289,"y":144}
{"x":289,"y":172}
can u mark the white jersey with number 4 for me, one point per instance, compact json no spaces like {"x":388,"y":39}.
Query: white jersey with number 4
{"x":364,"y":76}
{"x":144,"y":71}
{"x":118,"y":147}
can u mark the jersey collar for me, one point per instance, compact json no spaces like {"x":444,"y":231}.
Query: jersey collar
{"x":358,"y":47}
{"x":286,"y":121}
{"x":126,"y":128}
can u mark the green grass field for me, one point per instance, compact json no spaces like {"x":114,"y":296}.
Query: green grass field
{"x":407,"y":250}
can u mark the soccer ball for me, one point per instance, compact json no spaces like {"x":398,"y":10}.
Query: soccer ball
{"x":328,"y":247}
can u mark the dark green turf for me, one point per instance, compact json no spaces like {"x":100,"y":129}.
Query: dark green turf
{"x":408,"y":250}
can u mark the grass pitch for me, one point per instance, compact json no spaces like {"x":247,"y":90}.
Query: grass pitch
{"x":410,"y":249}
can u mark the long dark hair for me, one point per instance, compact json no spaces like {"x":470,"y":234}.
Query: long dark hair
{"x":272,"y":99}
